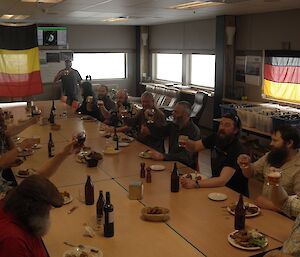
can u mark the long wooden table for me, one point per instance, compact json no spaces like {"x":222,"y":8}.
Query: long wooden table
{"x":197,"y":227}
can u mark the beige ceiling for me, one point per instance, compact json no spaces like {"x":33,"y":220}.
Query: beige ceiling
{"x":140,"y":12}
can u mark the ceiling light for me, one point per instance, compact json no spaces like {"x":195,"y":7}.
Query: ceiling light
{"x":194,"y":5}
{"x":42,"y":1}
{"x":6,"y":16}
{"x":117,"y":19}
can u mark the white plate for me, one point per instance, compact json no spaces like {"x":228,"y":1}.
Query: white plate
{"x":194,"y":176}
{"x":254,"y":248}
{"x":247,"y":215}
{"x":157,"y":167}
{"x":37,"y":146}
{"x":30,"y":172}
{"x":123,"y":144}
{"x":144,"y":155}
{"x":76,"y":252}
{"x":217,"y":196}
{"x":67,"y":199}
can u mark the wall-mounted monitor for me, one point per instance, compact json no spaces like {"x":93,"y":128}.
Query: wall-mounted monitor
{"x":52,"y":36}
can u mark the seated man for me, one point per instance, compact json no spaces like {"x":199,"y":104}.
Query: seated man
{"x":104,"y":100}
{"x":121,"y":107}
{"x":284,"y":155}
{"x":289,"y":205}
{"x":148,"y":116}
{"x":182,"y":125}
{"x":24,"y":217}
{"x":225,"y":148}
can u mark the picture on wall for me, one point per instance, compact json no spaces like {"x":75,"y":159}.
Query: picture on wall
{"x":240,"y":68}
{"x":253,"y":70}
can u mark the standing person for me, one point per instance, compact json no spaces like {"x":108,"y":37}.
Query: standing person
{"x":225,"y":148}
{"x":71,"y":80}
{"x":284,"y":155}
{"x":181,"y":125}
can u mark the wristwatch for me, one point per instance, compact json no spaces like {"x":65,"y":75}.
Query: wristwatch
{"x":197,"y":184}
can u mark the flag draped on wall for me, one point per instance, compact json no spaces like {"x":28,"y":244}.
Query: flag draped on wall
{"x":19,"y":61}
{"x":282,"y":75}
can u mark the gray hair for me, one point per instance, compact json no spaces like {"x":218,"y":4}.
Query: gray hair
{"x":187,"y":107}
{"x":147,"y":94}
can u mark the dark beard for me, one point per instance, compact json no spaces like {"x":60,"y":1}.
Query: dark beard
{"x":277,"y":157}
{"x":223,"y":140}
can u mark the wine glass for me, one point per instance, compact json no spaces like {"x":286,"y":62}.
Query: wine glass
{"x":80,"y":138}
{"x":150,"y":115}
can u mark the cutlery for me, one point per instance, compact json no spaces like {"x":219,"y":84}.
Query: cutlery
{"x":81,"y":247}
{"x":72,"y":209}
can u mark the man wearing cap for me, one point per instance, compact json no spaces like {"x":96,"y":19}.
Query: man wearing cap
{"x":225,"y":148}
{"x":24,"y":217}
{"x":71,"y":80}
{"x":24,"y":212}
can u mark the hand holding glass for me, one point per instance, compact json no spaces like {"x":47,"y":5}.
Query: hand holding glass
{"x":244,"y":161}
{"x":273,"y":176}
{"x":149,"y":114}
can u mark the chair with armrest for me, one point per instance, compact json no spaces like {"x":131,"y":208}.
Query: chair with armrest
{"x":198,"y":106}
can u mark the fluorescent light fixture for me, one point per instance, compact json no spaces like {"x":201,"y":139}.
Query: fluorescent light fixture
{"x":42,"y":1}
{"x":14,"y":17}
{"x":117,"y":19}
{"x":6,"y":16}
{"x":194,"y":5}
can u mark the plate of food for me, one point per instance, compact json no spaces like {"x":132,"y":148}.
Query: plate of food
{"x":67,"y":197}
{"x":17,"y":162}
{"x":217,"y":196}
{"x":25,"y":173}
{"x":123,"y":144}
{"x":25,"y":152}
{"x":37,"y":146}
{"x":155,"y":213}
{"x":194,"y":176}
{"x":86,"y":251}
{"x":145,"y":154}
{"x":111,"y":150}
{"x":247,"y":239}
{"x":126,"y":139}
{"x":157,"y":167}
{"x":251,"y":209}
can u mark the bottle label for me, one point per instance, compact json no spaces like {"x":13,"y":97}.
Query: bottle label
{"x":52,"y":150}
{"x":111,"y":217}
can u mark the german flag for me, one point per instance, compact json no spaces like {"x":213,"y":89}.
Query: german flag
{"x":282,"y":75}
{"x":19,"y":61}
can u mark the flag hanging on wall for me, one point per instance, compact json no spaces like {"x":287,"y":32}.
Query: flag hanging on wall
{"x":282,"y":75}
{"x":19,"y":61}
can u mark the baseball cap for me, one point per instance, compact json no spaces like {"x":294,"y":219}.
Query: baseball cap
{"x":39,"y":188}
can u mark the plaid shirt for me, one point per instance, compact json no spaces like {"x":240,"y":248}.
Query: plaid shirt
{"x":292,"y":208}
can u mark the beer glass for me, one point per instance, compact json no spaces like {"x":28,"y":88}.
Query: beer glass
{"x":273,"y":176}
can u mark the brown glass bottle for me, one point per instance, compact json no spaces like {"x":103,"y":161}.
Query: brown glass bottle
{"x":239,"y":214}
{"x":175,"y":179}
{"x":89,"y":191}
{"x":99,"y":207}
{"x":148,"y":176}
{"x":50,"y":146}
{"x":51,"y":118}
{"x":142,"y":172}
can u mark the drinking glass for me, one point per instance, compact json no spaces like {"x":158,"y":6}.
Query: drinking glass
{"x":273,"y":176}
{"x":150,"y":115}
{"x":182,"y":139}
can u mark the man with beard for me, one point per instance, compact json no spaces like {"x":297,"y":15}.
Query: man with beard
{"x":225,"y":148}
{"x":147,"y":118}
{"x":284,"y":155}
{"x":182,"y":125}
{"x":24,"y":217}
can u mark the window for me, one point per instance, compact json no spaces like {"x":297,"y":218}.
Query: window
{"x":169,"y":67}
{"x":100,"y":65}
{"x":203,"y":70}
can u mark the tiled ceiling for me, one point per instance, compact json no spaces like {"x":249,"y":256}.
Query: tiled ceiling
{"x":140,"y":12}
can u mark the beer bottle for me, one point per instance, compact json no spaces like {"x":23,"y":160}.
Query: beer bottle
{"x":239,"y":214}
{"x":108,"y":210}
{"x":53,"y":108}
{"x":89,"y":191}
{"x":99,"y":207}
{"x":175,"y":179}
{"x":51,"y":118}
{"x":142,"y":172}
{"x":148,"y":176}
{"x":50,"y":146}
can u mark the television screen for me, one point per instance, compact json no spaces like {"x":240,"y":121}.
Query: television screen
{"x":52,"y":36}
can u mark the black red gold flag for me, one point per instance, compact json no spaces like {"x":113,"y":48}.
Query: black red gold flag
{"x":19,"y":61}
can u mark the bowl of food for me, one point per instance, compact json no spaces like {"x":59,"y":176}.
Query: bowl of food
{"x":251,"y":209}
{"x":156,"y":214}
